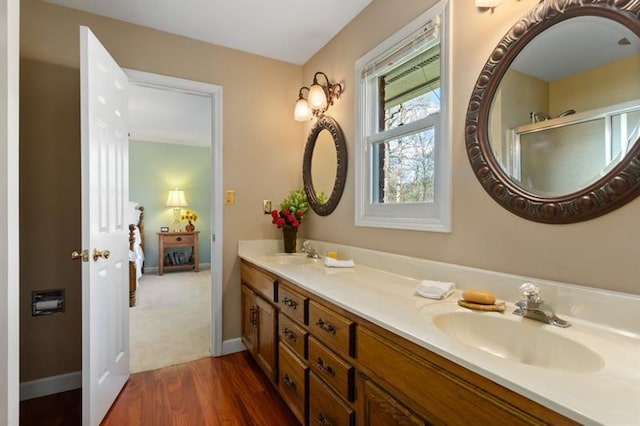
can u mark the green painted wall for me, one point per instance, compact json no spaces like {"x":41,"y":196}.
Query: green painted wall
{"x":154,"y":169}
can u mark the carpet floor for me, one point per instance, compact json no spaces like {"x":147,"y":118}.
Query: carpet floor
{"x":171,"y":321}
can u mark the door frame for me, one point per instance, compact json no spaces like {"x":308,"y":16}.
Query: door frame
{"x":9,"y":205}
{"x":215,"y":92}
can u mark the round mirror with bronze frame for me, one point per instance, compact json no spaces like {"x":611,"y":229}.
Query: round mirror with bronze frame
{"x":618,"y":184}
{"x":314,"y":192}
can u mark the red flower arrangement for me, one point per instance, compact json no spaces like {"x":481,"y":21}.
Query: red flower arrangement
{"x":285,"y":218}
{"x":292,"y":210}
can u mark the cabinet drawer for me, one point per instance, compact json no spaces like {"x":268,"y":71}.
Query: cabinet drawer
{"x":292,"y":381}
{"x":331,"y":328}
{"x":177,"y":240}
{"x":260,"y":281}
{"x":325,"y":407}
{"x":331,"y":368}
{"x":293,"y":335}
{"x":292,"y":303}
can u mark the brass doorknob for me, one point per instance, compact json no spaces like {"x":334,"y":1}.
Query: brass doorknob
{"x":80,"y":255}
{"x":100,"y":253}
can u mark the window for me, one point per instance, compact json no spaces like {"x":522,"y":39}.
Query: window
{"x":403,"y":150}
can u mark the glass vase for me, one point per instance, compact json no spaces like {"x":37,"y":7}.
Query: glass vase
{"x":289,"y":236}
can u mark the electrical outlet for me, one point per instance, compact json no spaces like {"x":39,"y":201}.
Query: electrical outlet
{"x":266,"y":206}
{"x":230,"y":198}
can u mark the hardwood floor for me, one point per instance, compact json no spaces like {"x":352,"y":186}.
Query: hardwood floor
{"x":228,"y":390}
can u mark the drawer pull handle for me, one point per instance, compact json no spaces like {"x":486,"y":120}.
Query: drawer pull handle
{"x":326,"y":327}
{"x":252,"y":315}
{"x":290,"y":303}
{"x":289,"y":335}
{"x":322,"y":420}
{"x":325,"y":367}
{"x":287,"y":381}
{"x":178,"y":238}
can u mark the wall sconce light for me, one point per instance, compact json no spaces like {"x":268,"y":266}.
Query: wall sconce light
{"x":319,"y":98}
{"x":488,"y":4}
{"x":176,"y":200}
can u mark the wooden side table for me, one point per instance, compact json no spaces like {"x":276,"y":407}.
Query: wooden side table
{"x":176,"y":259}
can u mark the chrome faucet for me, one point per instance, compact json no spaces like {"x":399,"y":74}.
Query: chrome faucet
{"x":310,"y":251}
{"x":534,"y":307}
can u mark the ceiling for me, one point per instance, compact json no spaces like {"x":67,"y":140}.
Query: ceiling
{"x":286,"y":30}
{"x":169,"y":116}
{"x":575,"y":45}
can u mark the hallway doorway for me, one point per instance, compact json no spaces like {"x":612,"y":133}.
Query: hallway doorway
{"x":157,"y":138}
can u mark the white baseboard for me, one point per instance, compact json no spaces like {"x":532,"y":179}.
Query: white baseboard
{"x":232,"y":345}
{"x":50,"y":385}
{"x":69,"y":381}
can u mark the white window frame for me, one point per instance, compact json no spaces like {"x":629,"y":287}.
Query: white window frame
{"x":429,"y":216}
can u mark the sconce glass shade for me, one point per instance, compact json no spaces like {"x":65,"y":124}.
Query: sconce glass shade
{"x":302,"y":111}
{"x":488,"y":3}
{"x":176,"y":198}
{"x":317,"y":98}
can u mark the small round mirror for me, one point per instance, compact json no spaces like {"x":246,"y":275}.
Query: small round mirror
{"x":324,"y":166}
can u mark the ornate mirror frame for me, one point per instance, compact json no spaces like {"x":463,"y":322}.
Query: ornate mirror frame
{"x":329,"y":124}
{"x":617,"y":187}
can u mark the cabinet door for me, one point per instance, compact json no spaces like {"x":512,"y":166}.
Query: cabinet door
{"x":248,"y":319}
{"x":377,"y":407}
{"x":265,"y":351}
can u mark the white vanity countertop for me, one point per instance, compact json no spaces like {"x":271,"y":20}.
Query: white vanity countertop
{"x":609,"y":396}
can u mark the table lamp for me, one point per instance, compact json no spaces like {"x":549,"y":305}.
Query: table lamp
{"x":176,"y":200}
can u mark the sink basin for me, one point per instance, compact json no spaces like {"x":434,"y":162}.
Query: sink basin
{"x":520,"y":340}
{"x":291,"y":259}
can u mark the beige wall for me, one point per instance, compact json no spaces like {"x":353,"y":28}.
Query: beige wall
{"x":602,"y":252}
{"x":598,"y":87}
{"x":262,"y":158}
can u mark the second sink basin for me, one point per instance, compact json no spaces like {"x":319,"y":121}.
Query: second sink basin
{"x":518,"y":339}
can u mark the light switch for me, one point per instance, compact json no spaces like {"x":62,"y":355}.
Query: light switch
{"x":266,"y":206}
{"x":230,"y":198}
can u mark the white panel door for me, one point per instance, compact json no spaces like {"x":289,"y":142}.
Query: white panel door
{"x":105,"y":184}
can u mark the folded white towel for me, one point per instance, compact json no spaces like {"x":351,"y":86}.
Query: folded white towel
{"x":335,"y":263}
{"x":435,"y":289}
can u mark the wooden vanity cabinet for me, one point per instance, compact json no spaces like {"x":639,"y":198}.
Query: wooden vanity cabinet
{"x":339,"y":369}
{"x":259,"y":318}
{"x":424,"y":385}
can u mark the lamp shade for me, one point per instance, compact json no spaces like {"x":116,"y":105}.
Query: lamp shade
{"x":488,"y":3}
{"x":176,"y":198}
{"x":302,"y":111}
{"x":317,"y":98}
